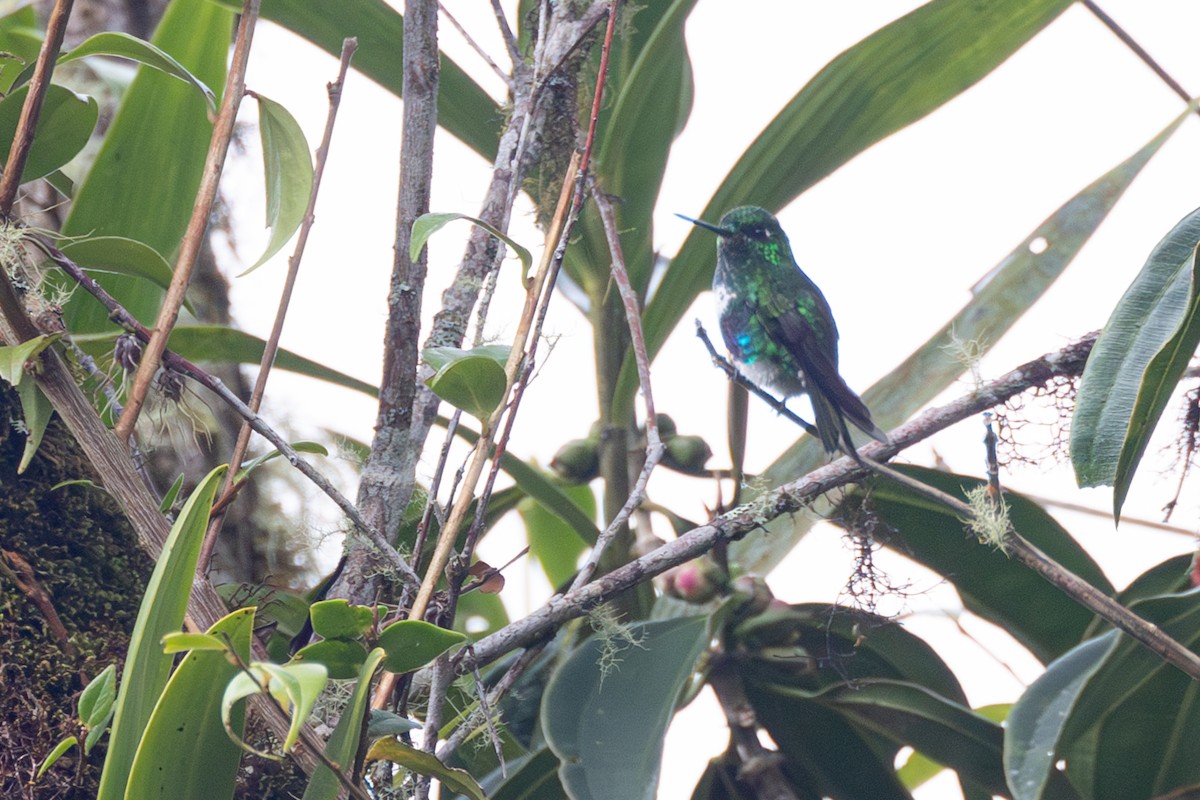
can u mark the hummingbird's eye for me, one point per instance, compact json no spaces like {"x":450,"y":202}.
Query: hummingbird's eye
{"x":760,"y":232}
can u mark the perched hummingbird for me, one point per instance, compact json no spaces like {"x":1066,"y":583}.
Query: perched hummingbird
{"x":778,"y":326}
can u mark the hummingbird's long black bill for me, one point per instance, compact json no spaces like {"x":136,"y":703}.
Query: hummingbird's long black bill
{"x":719,"y":231}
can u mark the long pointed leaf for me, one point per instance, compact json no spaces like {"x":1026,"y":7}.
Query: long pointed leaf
{"x":1006,"y":293}
{"x":144,"y":180}
{"x":892,"y":78}
{"x":163,"y":606}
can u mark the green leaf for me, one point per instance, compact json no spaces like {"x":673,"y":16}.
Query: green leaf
{"x":163,"y":606}
{"x":464,"y":108}
{"x":21,"y":39}
{"x":288,"y":174}
{"x":1131,"y":729}
{"x":181,"y":642}
{"x":217,"y":343}
{"x":168,"y":500}
{"x":122,"y":45}
{"x":341,"y":658}
{"x":386,"y":723}
{"x":96,"y":699}
{"x":947,"y":732}
{"x":315,"y":448}
{"x":607,"y":725}
{"x":343,"y":742}
{"x":118,"y":255}
{"x":185,"y":753}
{"x":1136,"y":364}
{"x":892,"y":78}
{"x":55,"y":754}
{"x":338,"y":619}
{"x":36,"y":412}
{"x":536,"y":778}
{"x":295,"y":687}
{"x":990,"y":584}
{"x":1038,"y":717}
{"x":1004,"y":294}
{"x":554,"y":543}
{"x":14,"y":357}
{"x":473,"y":380}
{"x":413,"y":643}
{"x":426,"y":225}
{"x":456,"y":780}
{"x":64,"y":126}
{"x":143,"y":182}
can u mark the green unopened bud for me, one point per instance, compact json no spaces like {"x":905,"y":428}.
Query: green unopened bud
{"x":686,"y":454}
{"x":577,"y":461}
{"x":666,"y":426}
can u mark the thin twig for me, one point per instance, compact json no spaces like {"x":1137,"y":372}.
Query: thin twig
{"x":193,"y":237}
{"x":654,"y":445}
{"x":39,"y":84}
{"x":760,"y":768}
{"x":510,"y":41}
{"x":1141,"y":53}
{"x":178,"y":363}
{"x":785,"y":499}
{"x":479,"y":51}
{"x":1079,"y":590}
{"x":271,"y":348}
{"x":737,"y":377}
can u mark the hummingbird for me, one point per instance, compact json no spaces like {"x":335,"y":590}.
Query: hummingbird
{"x":778,"y":326}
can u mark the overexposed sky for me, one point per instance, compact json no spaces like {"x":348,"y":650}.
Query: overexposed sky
{"x":895,"y":239}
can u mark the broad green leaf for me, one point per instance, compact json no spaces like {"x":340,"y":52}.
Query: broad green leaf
{"x":338,"y":619}
{"x":181,"y":642}
{"x":464,"y":109}
{"x":473,"y":380}
{"x":315,"y":448}
{"x":295,"y":687}
{"x":163,"y":606}
{"x":63,"y":129}
{"x":386,"y":723}
{"x":35,"y":412}
{"x":1010,"y":288}
{"x":122,"y":45}
{"x":55,"y":754}
{"x":142,"y":184}
{"x":948,"y":732}
{"x":456,"y":780}
{"x":96,"y":699}
{"x":426,"y":225}
{"x":606,"y":725}
{"x":1131,"y":730}
{"x":343,"y":742}
{"x":892,"y":78}
{"x":552,"y":542}
{"x":288,"y":174}
{"x":20,"y":38}
{"x":14,"y":357}
{"x":1038,"y":717}
{"x":118,"y":255}
{"x":413,"y":643}
{"x":341,"y":658}
{"x":652,"y":103}
{"x":1136,"y":364}
{"x":217,"y":343}
{"x":535,"y":778}
{"x":990,"y":583}
{"x":185,"y":753}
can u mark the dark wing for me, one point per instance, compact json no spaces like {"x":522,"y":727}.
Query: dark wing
{"x":832,"y":398}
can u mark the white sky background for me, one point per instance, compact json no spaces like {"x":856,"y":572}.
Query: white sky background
{"x":895,"y":239}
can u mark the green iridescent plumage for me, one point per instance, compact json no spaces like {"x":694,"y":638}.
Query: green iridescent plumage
{"x":778,"y":326}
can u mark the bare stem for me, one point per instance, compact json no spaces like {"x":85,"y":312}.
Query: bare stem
{"x":785,"y":499}
{"x":1138,"y":50}
{"x":39,"y":84}
{"x":193,"y":237}
{"x":654,"y":445}
{"x":271,"y":349}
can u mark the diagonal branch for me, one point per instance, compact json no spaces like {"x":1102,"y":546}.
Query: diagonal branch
{"x":193,"y":237}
